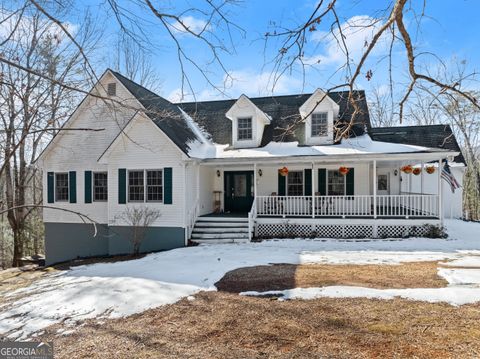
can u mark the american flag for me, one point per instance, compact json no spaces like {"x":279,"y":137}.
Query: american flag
{"x":447,"y":176}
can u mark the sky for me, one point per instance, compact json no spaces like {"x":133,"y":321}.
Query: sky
{"x":448,"y":32}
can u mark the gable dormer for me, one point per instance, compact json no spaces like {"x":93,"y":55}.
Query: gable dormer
{"x":248,"y":122}
{"x":319,"y":112}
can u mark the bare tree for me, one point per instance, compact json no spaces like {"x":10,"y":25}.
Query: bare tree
{"x":32,"y":109}
{"x":139,"y":218}
{"x":381,"y":106}
{"x":294,"y":52}
{"x":134,"y":62}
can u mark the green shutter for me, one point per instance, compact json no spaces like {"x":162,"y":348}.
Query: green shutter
{"x":50,"y":187}
{"x":308,"y":182}
{"x":322,"y":181}
{"x":350,"y":182}
{"x":72,"y":186}
{"x":88,"y":186}
{"x":122,"y":186}
{"x":167,"y":185}
{"x":282,"y":185}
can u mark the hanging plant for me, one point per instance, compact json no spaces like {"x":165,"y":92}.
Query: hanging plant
{"x":417,"y":171}
{"x":430,"y":169}
{"x":343,"y":170}
{"x":407,"y":169}
{"x":283,"y":171}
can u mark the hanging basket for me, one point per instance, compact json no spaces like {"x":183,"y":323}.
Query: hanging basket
{"x":343,"y":170}
{"x":407,"y":169}
{"x":417,"y":171}
{"x":430,"y":169}
{"x":283,"y":171}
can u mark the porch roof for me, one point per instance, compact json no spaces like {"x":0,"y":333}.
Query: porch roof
{"x":358,"y":148}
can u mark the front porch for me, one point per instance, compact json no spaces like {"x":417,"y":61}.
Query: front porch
{"x":375,"y":199}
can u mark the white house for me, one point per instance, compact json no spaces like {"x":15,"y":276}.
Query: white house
{"x":234,"y":170}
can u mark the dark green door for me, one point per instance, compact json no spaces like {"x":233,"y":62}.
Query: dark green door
{"x":238,"y":191}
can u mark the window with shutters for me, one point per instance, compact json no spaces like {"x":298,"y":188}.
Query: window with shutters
{"x":154,"y":186}
{"x":335,"y":183}
{"x":319,"y":124}
{"x":100,"y":186}
{"x":136,"y":186}
{"x":244,"y":128}
{"x":145,"y":186}
{"x":295,"y":183}
{"x":61,"y":187}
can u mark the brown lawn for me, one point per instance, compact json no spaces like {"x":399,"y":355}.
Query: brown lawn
{"x":287,"y":276}
{"x":226,"y":325}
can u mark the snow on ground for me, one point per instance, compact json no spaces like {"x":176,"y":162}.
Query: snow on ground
{"x":111,"y":290}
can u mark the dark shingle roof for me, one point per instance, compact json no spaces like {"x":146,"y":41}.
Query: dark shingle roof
{"x":434,"y":136}
{"x":163,"y":113}
{"x":283,"y":110}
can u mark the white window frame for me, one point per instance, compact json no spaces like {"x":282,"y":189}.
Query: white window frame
{"x":145,"y":195}
{"x":93,"y":186}
{"x":128,"y":186}
{"x":251,"y":128}
{"x":325,"y":113}
{"x":344,"y":185}
{"x":55,"y":186}
{"x":162,"y":185}
{"x":287,"y":190}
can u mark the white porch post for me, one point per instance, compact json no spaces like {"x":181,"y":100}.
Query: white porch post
{"x":422,"y":184}
{"x":254,"y":181}
{"x":313,"y":192}
{"x":374,"y":188}
{"x":440,"y":190}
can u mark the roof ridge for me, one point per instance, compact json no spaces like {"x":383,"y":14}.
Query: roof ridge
{"x":116,"y":73}
{"x":264,"y":97}
{"x":410,"y":126}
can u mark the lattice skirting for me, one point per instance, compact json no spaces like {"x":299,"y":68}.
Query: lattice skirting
{"x":287,"y":230}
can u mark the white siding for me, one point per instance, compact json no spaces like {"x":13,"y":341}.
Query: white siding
{"x":79,"y":151}
{"x":146,"y":147}
{"x":452,"y":202}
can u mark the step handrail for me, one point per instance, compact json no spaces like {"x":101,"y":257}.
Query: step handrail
{"x":252,"y":215}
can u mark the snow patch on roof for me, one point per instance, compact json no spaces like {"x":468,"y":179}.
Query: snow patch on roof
{"x":351,"y":146}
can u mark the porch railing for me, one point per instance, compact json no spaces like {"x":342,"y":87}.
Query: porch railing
{"x":396,"y":206}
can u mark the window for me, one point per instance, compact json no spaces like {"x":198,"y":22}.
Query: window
{"x":319,"y":124}
{"x":244,"y":128}
{"x":136,"y":188}
{"x":112,"y":89}
{"x":382,"y":182}
{"x":61,"y":187}
{"x":154,"y":186}
{"x":335,"y":183}
{"x":295,"y":183}
{"x":100,"y":186}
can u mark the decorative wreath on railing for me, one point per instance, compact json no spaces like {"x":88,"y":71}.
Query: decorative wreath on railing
{"x":407,"y":169}
{"x":283,"y":171}
{"x":343,"y":170}
{"x":430,"y":169}
{"x":417,"y":171}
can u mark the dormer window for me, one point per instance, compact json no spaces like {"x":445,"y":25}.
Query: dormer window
{"x":244,"y":128}
{"x":319,"y":124}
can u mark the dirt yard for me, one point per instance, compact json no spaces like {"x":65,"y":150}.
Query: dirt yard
{"x":223,"y":324}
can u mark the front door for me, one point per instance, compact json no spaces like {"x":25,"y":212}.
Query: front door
{"x":383,"y":183}
{"x":238,"y":191}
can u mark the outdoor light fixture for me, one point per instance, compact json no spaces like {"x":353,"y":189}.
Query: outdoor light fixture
{"x":218,"y":173}
{"x":260,"y":172}
{"x":395,"y":172}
